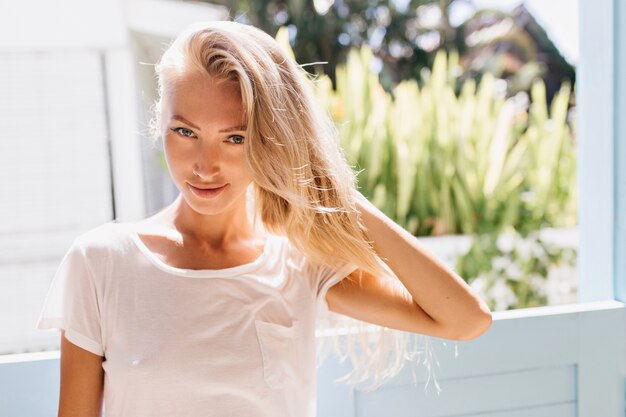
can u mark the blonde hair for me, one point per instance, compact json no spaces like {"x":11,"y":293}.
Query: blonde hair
{"x":303,"y":186}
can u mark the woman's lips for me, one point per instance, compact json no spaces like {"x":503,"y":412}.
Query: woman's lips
{"x":206,"y":193}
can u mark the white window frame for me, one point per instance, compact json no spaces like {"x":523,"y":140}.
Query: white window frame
{"x":601,"y":95}
{"x":619,"y":135}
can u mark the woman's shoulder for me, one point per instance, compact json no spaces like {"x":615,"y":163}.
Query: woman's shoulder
{"x":296,"y":255}
{"x":108,"y":235}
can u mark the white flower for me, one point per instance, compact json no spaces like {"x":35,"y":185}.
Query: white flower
{"x":500,"y":262}
{"x":505,"y":243}
{"x":502,"y":295}
{"x":538,"y":250}
{"x":513,"y":272}
{"x":524,"y":248}
{"x":538,"y":283}
{"x":479,"y":285}
{"x":553,"y":287}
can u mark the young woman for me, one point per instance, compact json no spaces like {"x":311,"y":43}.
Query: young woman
{"x":209,"y":306}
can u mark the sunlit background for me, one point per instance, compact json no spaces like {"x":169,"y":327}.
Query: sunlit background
{"x":490,"y":130}
{"x":460,"y":114}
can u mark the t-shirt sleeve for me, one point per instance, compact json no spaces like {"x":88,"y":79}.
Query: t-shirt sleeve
{"x":326,"y":276}
{"x":72,"y":302}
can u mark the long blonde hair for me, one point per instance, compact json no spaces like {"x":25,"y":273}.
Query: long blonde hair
{"x":304,"y":188}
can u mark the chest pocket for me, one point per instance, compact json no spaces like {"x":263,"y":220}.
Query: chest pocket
{"x":278,"y":348}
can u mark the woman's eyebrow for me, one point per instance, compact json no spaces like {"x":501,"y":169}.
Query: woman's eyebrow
{"x":234,"y":129}
{"x":229,"y":129}
{"x":182,"y":119}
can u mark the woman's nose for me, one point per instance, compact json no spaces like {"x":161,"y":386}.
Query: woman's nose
{"x":208,"y":160}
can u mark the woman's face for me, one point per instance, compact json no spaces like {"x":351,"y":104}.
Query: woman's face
{"x":203,"y":122}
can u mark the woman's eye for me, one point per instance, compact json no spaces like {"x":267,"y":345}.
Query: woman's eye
{"x":183,"y":131}
{"x":237,"y":139}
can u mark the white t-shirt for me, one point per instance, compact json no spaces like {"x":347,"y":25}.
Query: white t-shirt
{"x":237,"y":341}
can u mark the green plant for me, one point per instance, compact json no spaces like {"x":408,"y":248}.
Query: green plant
{"x":438,"y":163}
{"x":476,"y":163}
{"x":510,"y":271}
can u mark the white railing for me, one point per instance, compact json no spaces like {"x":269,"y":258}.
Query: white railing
{"x":545,"y":361}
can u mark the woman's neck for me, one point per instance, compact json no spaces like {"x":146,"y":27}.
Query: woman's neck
{"x":222,"y":229}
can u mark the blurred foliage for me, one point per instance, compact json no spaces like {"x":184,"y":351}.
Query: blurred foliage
{"x":322,"y":31}
{"x":476,"y":163}
{"x":404,"y":34}
{"x":511,"y":46}
{"x":509,"y":271}
{"x":438,"y":163}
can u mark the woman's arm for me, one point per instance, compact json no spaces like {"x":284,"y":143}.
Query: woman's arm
{"x":82,"y":381}
{"x":442,"y":304}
